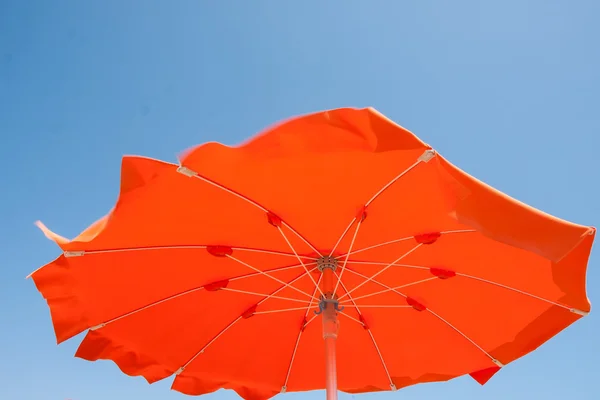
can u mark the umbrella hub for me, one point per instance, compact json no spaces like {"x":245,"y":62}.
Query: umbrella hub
{"x":329,"y":300}
{"x":327,"y":262}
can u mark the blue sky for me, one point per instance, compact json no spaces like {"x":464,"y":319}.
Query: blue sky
{"x":506,"y":90}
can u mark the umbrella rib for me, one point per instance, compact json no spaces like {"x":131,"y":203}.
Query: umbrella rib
{"x":192,"y":290}
{"x":334,"y":248}
{"x":271,"y":276}
{"x":339,"y":278}
{"x":262,"y":294}
{"x":361,"y":321}
{"x":277,"y":253}
{"x":351,"y":299}
{"x":218,"y":335}
{"x":279,"y":310}
{"x":392,"y":289}
{"x":299,"y":259}
{"x":137,"y":310}
{"x":494,"y":360}
{"x":190,"y":173}
{"x":368,"y":279}
{"x":385,"y":263}
{"x":304,"y":324}
{"x":271,"y":270}
{"x":425,"y":157}
{"x":498,"y":363}
{"x":387,"y":372}
{"x":358,"y":321}
{"x":311,"y":319}
{"x":395,"y":179}
{"x":267,"y":297}
{"x":566,"y":307}
{"x":387,"y":288}
{"x":79,"y":253}
{"x":395,"y":290}
{"x":405,"y":239}
{"x":571,"y":309}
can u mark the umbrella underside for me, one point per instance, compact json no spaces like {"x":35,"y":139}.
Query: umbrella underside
{"x":208,"y":273}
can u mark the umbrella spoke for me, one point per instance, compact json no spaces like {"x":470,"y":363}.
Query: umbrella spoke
{"x":334,"y":248}
{"x":302,"y":328}
{"x":311,"y":319}
{"x":385,"y":264}
{"x":299,"y":259}
{"x":271,"y":270}
{"x":137,"y":310}
{"x":301,"y":237}
{"x":495,"y":361}
{"x":358,"y":321}
{"x":265,"y":298}
{"x":388,"y":288}
{"x":391,"y":289}
{"x":395,"y":290}
{"x":387,"y":372}
{"x":189,"y":173}
{"x":263,"y":295}
{"x":361,"y":320}
{"x":368,"y":279}
{"x":276,"y":253}
{"x":403,"y":239}
{"x":218,"y":335}
{"x":280,"y":310}
{"x":192,"y":290}
{"x":571,"y":309}
{"x":425,"y":157}
{"x":339,"y":278}
{"x":271,"y":276}
{"x":503,"y":286}
{"x":351,"y":299}
{"x":79,"y":253}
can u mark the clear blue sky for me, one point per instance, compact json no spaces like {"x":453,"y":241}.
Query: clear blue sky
{"x":506,"y":90}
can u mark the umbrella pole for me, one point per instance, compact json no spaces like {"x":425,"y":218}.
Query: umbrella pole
{"x":329,"y":309}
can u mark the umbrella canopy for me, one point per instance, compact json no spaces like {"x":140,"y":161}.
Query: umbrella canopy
{"x":230,"y":269}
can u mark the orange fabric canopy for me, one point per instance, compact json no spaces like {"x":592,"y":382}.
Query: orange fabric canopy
{"x":207,"y":270}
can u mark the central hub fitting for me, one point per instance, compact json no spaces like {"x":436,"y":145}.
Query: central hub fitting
{"x":327,"y":266}
{"x":327,"y":262}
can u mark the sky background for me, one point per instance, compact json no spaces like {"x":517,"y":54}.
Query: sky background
{"x":506,"y":90}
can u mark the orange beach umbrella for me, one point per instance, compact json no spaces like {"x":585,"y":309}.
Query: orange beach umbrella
{"x":334,"y":250}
